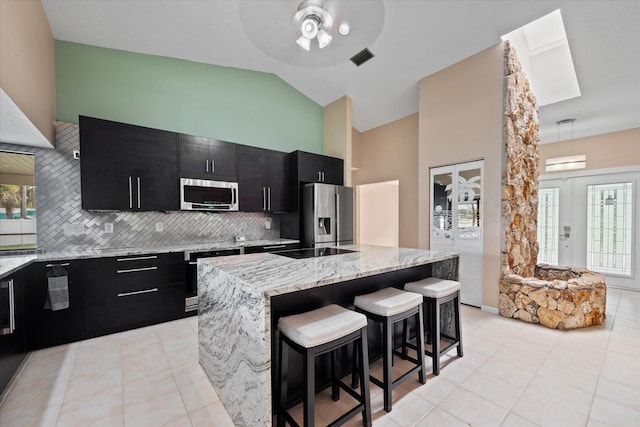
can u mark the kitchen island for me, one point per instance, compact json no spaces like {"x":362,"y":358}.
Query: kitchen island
{"x":241,"y":298}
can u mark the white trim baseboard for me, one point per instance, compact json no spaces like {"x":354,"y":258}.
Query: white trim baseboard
{"x":489,"y":309}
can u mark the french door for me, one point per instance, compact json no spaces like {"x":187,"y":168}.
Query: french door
{"x":457,"y":222}
{"x":592,"y":221}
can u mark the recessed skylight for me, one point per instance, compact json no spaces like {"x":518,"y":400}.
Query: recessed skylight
{"x":543,"y":51}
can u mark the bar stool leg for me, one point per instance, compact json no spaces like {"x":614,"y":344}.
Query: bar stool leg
{"x":435,"y":337}
{"x":335,"y":389}
{"x":354,"y":371}
{"x":456,"y":304}
{"x":419,"y":344}
{"x":405,"y":337}
{"x":283,"y":362}
{"x":364,"y":373}
{"x":309,"y":389}
{"x":386,"y":362}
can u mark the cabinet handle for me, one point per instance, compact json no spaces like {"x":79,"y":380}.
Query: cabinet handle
{"x":138,"y":192}
{"x":264,"y":199}
{"x":206,"y":165}
{"x":145,"y":291}
{"x":319,"y":176}
{"x":135,"y":270}
{"x":66,"y":264}
{"x":130,"y":194}
{"x":274,"y":247}
{"x":193,"y":262}
{"x":322,"y":176}
{"x":137,"y":258}
{"x":269,"y":193}
{"x":213,"y":166}
{"x":12,"y":315}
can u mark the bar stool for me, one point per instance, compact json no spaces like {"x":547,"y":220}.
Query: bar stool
{"x":437,"y":292}
{"x":314,"y":333}
{"x":388,"y":306}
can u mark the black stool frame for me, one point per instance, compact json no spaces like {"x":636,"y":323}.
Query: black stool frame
{"x":387,"y":322}
{"x":432,"y":308}
{"x":359,"y":338}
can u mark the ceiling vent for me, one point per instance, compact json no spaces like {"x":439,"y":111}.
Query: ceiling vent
{"x":361,"y":57}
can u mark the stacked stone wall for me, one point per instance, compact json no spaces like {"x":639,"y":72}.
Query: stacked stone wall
{"x":520,"y":178}
{"x":556,"y":297}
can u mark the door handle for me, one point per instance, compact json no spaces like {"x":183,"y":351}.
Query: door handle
{"x":138,"y":192}
{"x":130,"y":194}
{"x":12,"y":316}
{"x":337,"y":216}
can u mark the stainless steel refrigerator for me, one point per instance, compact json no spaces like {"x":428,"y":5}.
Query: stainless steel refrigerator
{"x":327,"y":215}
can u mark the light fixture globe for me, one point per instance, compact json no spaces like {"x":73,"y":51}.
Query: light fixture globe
{"x":312,"y":20}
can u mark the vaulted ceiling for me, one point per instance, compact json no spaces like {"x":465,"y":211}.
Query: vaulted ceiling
{"x":410,"y":40}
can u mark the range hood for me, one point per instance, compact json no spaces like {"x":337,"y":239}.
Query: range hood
{"x":15,"y":126}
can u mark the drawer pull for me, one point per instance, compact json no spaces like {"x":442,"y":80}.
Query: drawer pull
{"x":193,"y":262}
{"x":135,"y":270}
{"x":146,"y":291}
{"x":275,"y":247}
{"x":66,"y":264}
{"x":139,"y":258}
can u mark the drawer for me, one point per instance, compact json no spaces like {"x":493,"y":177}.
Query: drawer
{"x":116,"y":309}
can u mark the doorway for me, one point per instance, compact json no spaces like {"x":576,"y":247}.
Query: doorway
{"x":378,"y":210}
{"x":591,"y":221}
{"x":457,"y":222}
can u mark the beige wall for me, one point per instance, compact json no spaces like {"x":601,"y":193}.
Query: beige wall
{"x":27,"y":62}
{"x":604,"y":151}
{"x":389,"y":153}
{"x":378,"y":208}
{"x":337,"y":133}
{"x":461,"y":110}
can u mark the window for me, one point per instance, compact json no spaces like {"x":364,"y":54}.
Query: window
{"x":610,"y":228}
{"x":17,"y":201}
{"x":548,"y":230}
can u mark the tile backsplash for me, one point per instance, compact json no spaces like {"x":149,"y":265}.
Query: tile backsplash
{"x":63,"y":225}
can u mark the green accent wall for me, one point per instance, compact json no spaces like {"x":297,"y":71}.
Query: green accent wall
{"x":231,"y":104}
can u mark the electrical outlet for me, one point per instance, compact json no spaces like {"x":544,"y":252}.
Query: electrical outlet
{"x":108,"y":227}
{"x":267,"y":224}
{"x":76,"y":154}
{"x":159,"y":227}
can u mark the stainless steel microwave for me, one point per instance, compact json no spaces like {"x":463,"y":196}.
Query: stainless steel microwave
{"x":205,"y":195}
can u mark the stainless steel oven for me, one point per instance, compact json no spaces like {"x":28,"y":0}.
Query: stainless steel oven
{"x":191,"y":258}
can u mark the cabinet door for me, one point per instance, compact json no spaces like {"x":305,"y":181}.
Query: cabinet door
{"x":252,"y":179}
{"x":309,"y":167}
{"x":156,"y":170}
{"x":106,"y":164}
{"x":278,"y":171}
{"x":194,"y":157}
{"x":332,"y":170}
{"x":12,"y":344}
{"x":48,"y":328}
{"x":223,"y":156}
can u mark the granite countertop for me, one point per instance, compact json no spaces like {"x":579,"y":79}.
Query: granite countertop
{"x":274,"y":274}
{"x":10,"y":264}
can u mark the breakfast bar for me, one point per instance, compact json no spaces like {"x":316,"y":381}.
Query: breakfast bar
{"x":241,"y":298}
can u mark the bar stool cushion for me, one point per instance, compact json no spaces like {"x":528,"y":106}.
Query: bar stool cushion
{"x":388,"y":301}
{"x":322,"y":325}
{"x":432,"y":287}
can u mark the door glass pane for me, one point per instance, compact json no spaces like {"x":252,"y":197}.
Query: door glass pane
{"x":469,"y":187}
{"x":548,"y":231}
{"x":610,"y":227}
{"x":441,"y":218}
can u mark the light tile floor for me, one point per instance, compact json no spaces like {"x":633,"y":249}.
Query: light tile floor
{"x":512,"y":374}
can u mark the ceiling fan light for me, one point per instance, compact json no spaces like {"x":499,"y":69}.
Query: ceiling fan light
{"x":304,"y":42}
{"x":309,"y":27}
{"x":323,"y":38}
